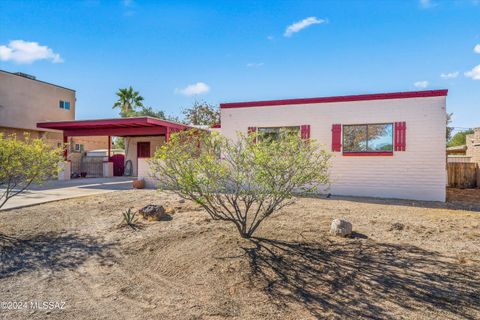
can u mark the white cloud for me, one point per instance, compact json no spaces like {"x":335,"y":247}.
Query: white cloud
{"x":450,"y":75}
{"x":193,"y":89}
{"x":421,"y":84}
{"x":476,"y":49}
{"x":474,"y":73}
{"x":300,"y":25}
{"x":255,"y":65}
{"x":270,"y":37}
{"x":20,"y":51}
{"x":425,"y":4}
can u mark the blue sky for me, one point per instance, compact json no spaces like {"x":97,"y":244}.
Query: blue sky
{"x":230,"y":51}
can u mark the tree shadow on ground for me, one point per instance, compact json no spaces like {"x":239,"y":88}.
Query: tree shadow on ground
{"x":52,"y":251}
{"x":363,"y":279}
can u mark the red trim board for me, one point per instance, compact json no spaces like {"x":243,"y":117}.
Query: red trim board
{"x":362,"y":97}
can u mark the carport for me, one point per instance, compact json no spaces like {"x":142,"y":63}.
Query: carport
{"x":144,"y":135}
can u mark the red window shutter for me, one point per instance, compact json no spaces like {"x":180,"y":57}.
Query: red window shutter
{"x":400,"y":142}
{"x":305,"y":131}
{"x":336,"y":137}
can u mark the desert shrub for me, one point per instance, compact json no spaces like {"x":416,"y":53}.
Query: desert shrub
{"x":129,"y":218}
{"x":25,"y":162}
{"x":242,"y":181}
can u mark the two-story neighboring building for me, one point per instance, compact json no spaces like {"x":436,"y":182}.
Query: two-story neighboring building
{"x":473,"y":146}
{"x":25,"y":101}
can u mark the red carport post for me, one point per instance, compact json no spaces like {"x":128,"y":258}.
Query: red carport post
{"x":167,"y":134}
{"x":65,"y":147}
{"x":109,"y":145}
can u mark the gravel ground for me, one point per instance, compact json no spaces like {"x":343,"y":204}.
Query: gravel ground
{"x":406,"y":260}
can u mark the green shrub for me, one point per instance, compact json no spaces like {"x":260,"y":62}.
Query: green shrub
{"x":242,"y":181}
{"x":25,"y":162}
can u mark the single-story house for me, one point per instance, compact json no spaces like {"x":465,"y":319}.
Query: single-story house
{"x":389,"y":145}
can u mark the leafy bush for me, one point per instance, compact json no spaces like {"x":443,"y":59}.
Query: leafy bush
{"x":25,"y":162}
{"x":242,"y":181}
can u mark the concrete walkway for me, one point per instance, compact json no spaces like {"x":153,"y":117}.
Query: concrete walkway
{"x":58,"y":190}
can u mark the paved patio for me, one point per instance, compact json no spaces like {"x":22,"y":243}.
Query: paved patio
{"x":58,"y":190}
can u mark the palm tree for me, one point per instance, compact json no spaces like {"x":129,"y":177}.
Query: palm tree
{"x":128,"y":101}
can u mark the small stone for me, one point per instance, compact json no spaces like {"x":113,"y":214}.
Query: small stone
{"x":169,"y":210}
{"x":152,"y":212}
{"x":181,"y":201}
{"x":397,"y":226}
{"x":341,"y":228}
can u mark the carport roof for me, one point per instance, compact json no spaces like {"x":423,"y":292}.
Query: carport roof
{"x":123,"y":127}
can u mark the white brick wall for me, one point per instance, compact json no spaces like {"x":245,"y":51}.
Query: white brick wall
{"x":417,"y":173}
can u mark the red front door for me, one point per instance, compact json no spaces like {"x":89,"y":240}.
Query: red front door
{"x":118,"y":164}
{"x":143,"y":149}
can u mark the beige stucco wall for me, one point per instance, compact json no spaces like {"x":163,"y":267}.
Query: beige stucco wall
{"x":473,"y":145}
{"x":131,"y":149}
{"x":417,"y":173}
{"x":53,"y":138}
{"x":24,"y":102}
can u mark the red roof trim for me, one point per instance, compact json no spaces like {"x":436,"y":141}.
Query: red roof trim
{"x":362,"y":97}
{"x":216,"y":126}
{"x":140,"y":122}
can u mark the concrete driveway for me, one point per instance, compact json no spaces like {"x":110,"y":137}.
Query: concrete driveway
{"x":58,"y":190}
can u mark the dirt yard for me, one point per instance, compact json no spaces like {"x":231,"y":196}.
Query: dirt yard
{"x":407,"y":260}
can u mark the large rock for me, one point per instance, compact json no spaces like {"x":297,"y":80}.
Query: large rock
{"x":341,"y":228}
{"x":153,"y":212}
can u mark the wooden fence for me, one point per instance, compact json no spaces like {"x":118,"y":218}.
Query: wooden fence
{"x":462,"y":175}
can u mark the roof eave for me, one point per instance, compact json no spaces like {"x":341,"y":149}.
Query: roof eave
{"x":349,"y":98}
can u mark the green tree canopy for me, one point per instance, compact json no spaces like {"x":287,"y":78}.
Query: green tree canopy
{"x":148,"y":112}
{"x":202,"y":113}
{"x":25,"y":162}
{"x":128,"y":101}
{"x":459,"y":138}
{"x":449,"y":129}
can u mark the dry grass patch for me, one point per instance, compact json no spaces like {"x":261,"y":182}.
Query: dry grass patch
{"x":407,"y":259}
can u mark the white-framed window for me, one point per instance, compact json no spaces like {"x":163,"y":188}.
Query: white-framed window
{"x":366,"y":138}
{"x":274,"y":133}
{"x":78,"y":147}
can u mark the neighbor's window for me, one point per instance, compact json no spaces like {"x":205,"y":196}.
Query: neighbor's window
{"x":64,"y":104}
{"x":78,"y":147}
{"x":274,"y":133}
{"x":368,"y":138}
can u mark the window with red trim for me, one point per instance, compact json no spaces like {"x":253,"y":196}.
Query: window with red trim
{"x":274,"y":133}
{"x":375,"y":138}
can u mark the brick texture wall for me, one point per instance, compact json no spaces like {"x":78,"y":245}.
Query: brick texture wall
{"x":417,"y":173}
